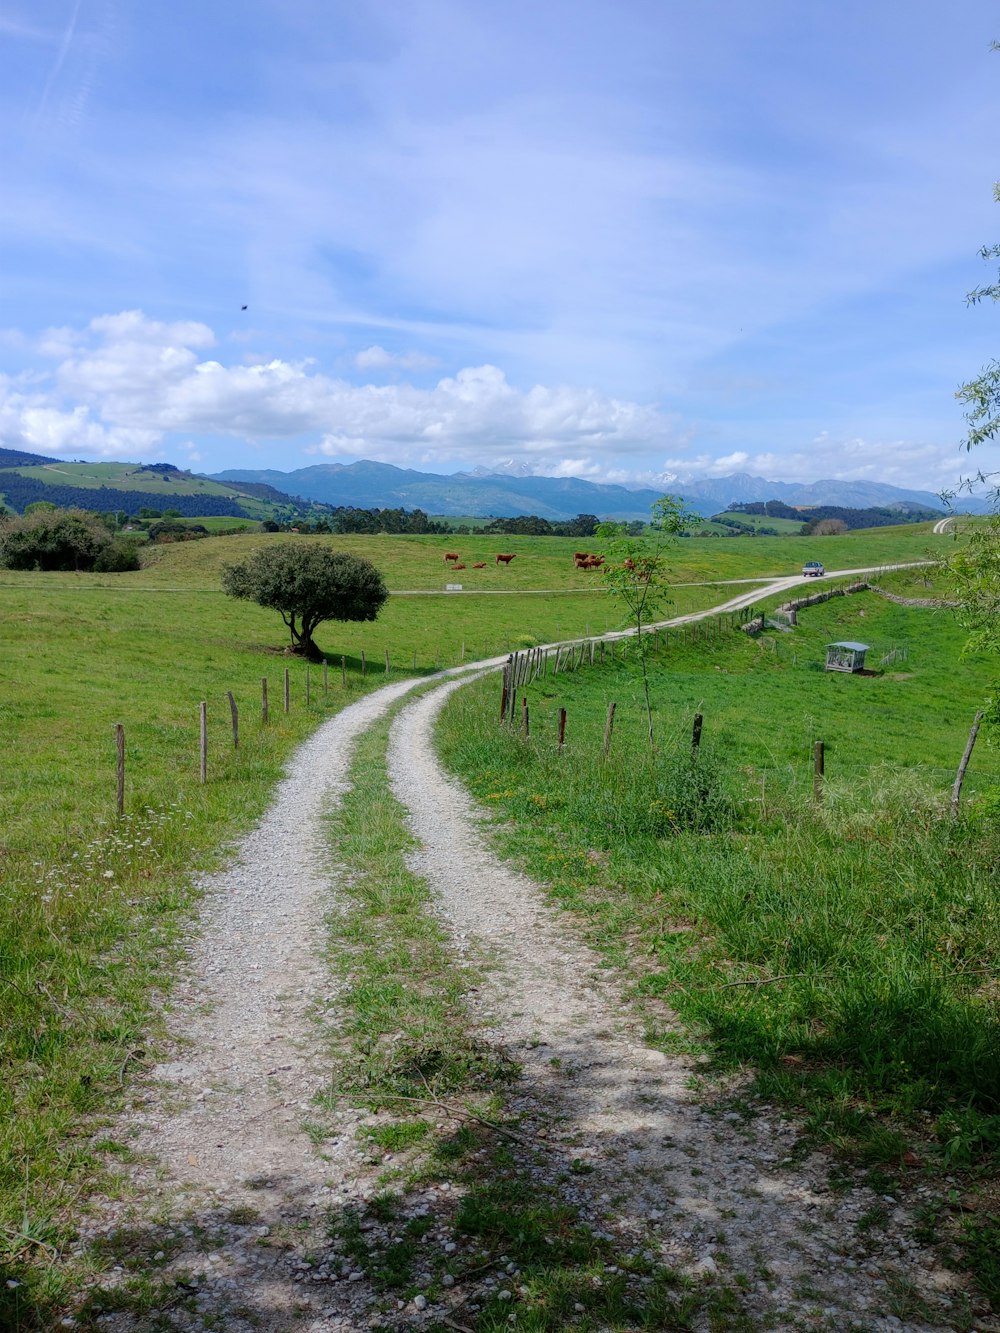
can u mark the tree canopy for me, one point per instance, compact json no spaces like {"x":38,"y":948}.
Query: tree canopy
{"x":981,"y":396}
{"x":65,"y":539}
{"x":306,"y":585}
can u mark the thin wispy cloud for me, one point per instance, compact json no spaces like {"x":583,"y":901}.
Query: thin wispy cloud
{"x":377,"y":358}
{"x":65,"y":42}
{"x":22,"y":29}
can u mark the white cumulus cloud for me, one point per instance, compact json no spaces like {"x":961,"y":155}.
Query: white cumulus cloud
{"x":126,"y":384}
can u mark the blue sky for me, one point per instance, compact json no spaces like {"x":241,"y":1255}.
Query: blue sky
{"x":619,"y":241}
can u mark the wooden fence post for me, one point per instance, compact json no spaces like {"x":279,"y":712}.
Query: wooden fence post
{"x":696,"y":734}
{"x":263,"y":699}
{"x":203,"y":746}
{"x":609,"y":727}
{"x":343,"y":671}
{"x":288,"y":689}
{"x":524,"y":713}
{"x":387,"y":661}
{"x":364,"y":664}
{"x":234,"y":712}
{"x":503,"y":695}
{"x":818,"y":772}
{"x":120,"y":747}
{"x":562,"y":727}
{"x":956,"y":790}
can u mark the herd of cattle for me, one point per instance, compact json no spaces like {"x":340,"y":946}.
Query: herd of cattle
{"x":582,"y":560}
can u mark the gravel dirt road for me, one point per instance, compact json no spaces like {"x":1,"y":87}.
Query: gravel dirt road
{"x":234,"y":1184}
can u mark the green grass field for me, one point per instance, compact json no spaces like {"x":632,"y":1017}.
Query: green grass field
{"x":218,"y":525}
{"x":767,"y":699}
{"x":845,"y":951}
{"x":541,"y":564}
{"x":785,"y":527}
{"x":161,"y":487}
{"x":91,"y":907}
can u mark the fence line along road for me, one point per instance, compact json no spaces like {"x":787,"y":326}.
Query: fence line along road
{"x":772,"y":587}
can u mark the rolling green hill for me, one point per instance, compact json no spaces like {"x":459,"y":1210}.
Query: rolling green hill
{"x":130,"y":487}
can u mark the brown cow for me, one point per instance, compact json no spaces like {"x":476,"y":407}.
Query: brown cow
{"x":480,"y":565}
{"x":581,"y":555}
{"x":504,"y":559}
{"x":457,"y":566}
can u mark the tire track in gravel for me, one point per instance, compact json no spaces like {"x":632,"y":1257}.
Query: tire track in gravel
{"x":708,"y":1193}
{"x":221,"y":1132}
{"x":259,"y":969}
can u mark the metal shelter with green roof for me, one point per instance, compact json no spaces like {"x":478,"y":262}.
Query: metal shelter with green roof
{"x":846,"y":656}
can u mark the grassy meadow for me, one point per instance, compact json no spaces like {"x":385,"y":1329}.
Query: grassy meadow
{"x":543,"y":564}
{"x":843,"y":952}
{"x":92,"y":907}
{"x":131,"y":476}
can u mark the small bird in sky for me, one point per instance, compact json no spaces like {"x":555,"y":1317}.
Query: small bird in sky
{"x":243,"y":307}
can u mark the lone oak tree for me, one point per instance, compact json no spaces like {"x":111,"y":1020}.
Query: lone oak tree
{"x":307,"y":585}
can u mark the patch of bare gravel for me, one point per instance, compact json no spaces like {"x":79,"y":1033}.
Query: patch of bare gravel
{"x":711,"y":1193}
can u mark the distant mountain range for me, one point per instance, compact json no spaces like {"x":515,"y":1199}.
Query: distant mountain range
{"x":367,"y":485}
{"x":508,"y":493}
